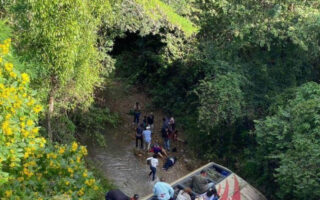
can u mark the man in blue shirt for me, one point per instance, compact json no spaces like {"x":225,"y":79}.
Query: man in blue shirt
{"x":147,"y":137}
{"x":162,"y":190}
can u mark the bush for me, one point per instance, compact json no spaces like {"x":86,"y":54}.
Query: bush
{"x":31,"y":167}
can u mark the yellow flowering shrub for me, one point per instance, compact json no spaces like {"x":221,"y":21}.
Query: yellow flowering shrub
{"x":31,"y":167}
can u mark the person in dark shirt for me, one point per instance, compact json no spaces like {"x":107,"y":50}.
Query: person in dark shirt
{"x":139,"y":136}
{"x":169,"y":163}
{"x":118,"y":195}
{"x":136,"y":113}
{"x":150,"y":120}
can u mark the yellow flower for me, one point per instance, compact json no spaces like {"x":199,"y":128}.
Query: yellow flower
{"x":31,"y":102}
{"x":70,"y":170}
{"x":67,"y":182}
{"x":26,"y":155}
{"x":83,"y":150}
{"x":90,"y":182}
{"x":13,"y":75}
{"x":81,"y":192}
{"x":37,"y":108}
{"x":25,"y":78}
{"x":74,"y":146}
{"x":35,"y":130}
{"x":30,"y":122}
{"x":1,"y":59}
{"x":85,"y":174}
{"x":8,"y":67}
{"x":8,"y":193}
{"x":61,"y":150}
{"x":12,"y":165}
{"x":8,"y":116}
{"x":95,"y":188}
{"x":7,"y":41}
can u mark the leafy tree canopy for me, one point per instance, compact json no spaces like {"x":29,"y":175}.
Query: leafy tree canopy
{"x":291,"y":139}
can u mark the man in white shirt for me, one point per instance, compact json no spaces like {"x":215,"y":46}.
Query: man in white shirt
{"x":153,"y":165}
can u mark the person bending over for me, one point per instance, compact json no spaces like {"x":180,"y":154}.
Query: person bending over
{"x":157,"y":149}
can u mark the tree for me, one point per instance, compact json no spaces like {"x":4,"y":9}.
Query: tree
{"x":60,"y":36}
{"x":30,"y":166}
{"x":290,"y":140}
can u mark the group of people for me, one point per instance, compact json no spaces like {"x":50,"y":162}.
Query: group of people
{"x":164,"y":191}
{"x":143,"y":135}
{"x":145,"y":129}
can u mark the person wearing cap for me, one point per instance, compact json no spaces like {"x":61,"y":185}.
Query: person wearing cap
{"x":162,"y":190}
{"x":200,"y":184}
{"x":153,"y":165}
{"x":119,"y":195}
{"x":147,"y":137}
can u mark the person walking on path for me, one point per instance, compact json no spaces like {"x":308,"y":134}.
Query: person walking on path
{"x":119,"y":195}
{"x":139,"y":136}
{"x":136,"y":113}
{"x":147,"y":137}
{"x":153,"y":165}
{"x":150,"y":120}
{"x":162,"y":190}
{"x":172,"y":125}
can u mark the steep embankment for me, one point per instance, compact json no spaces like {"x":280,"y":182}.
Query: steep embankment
{"x":119,"y":161}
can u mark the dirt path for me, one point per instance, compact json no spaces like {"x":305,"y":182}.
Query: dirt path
{"x":119,"y":161}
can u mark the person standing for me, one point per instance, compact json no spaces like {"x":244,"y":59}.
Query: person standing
{"x":139,"y":136}
{"x":150,"y":120}
{"x":162,"y":190}
{"x":147,"y":137}
{"x":166,"y":139}
{"x":153,"y":165}
{"x":172,"y":125}
{"x":136,"y":113}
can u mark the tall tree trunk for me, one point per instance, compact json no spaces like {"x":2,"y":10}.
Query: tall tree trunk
{"x":49,"y":114}
{"x":51,"y":106}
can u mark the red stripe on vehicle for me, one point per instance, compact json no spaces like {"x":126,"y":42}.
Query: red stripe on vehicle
{"x":226,"y":192}
{"x":236,"y":195}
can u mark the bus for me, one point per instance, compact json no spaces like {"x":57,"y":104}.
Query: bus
{"x":228,"y":184}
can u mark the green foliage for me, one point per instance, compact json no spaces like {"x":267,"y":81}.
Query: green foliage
{"x":94,"y":121}
{"x":220,"y":101}
{"x":158,"y":10}
{"x":245,"y":63}
{"x":61,"y":37}
{"x":290,"y":139}
{"x":31,"y":167}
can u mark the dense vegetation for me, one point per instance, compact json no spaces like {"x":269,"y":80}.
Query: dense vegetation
{"x":242,"y":78}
